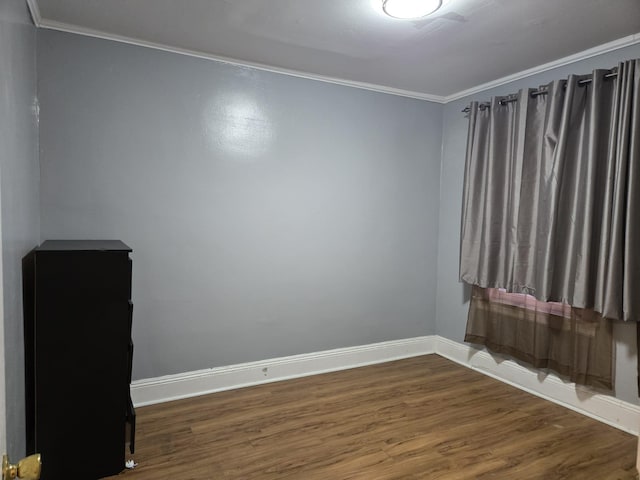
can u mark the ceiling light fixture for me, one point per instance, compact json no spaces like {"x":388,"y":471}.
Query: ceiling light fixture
{"x":410,"y":8}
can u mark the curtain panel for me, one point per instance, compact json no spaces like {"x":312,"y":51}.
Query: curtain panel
{"x":551,"y":208}
{"x":574,"y":342}
{"x":551,"y":203}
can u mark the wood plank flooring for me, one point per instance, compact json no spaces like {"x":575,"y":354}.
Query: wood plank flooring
{"x":419,"y":418}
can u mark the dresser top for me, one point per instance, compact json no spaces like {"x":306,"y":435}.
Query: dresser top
{"x":83,"y":245}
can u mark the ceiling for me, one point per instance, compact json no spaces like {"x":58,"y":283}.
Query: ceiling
{"x":465,"y":44}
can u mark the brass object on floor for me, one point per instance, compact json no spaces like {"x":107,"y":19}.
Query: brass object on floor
{"x":28,"y":468}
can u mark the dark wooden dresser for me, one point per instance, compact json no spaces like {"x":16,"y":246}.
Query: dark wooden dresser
{"x":78,"y":356}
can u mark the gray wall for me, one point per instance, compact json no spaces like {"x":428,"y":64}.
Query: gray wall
{"x":18,"y":195}
{"x":269,"y":215}
{"x":452,"y":303}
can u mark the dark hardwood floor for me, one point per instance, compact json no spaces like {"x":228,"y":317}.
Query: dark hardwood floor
{"x":419,"y":418}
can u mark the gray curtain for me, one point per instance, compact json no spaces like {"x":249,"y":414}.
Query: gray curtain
{"x":551,"y":208}
{"x":551,"y":203}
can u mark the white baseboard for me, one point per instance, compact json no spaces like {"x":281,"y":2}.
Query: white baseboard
{"x":191,"y":384}
{"x":605,"y":408}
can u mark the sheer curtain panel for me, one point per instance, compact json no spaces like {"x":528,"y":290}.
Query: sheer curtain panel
{"x":576,"y":343}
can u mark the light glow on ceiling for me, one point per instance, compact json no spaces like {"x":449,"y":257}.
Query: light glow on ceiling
{"x":410,"y":8}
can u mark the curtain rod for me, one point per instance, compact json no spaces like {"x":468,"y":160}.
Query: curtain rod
{"x":535,"y":93}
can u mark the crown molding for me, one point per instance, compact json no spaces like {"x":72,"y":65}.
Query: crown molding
{"x":64,"y":27}
{"x":35,"y":12}
{"x":591,"y":52}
